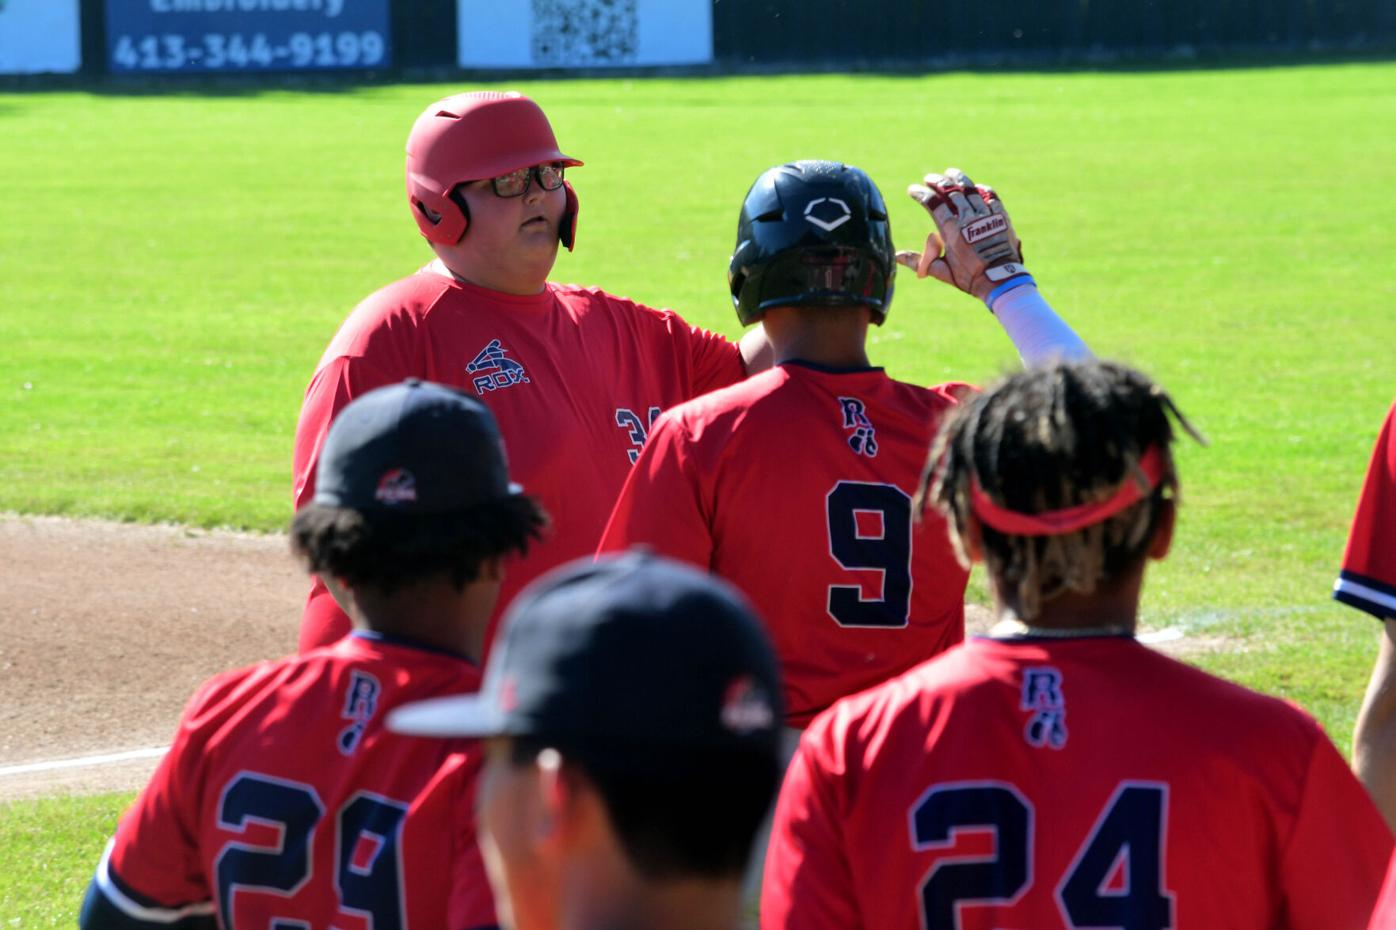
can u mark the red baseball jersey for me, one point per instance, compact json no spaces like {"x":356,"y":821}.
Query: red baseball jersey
{"x":796,"y":485}
{"x":1079,"y":783}
{"x":1368,"y":577}
{"x":1384,"y":917}
{"x":574,"y":376}
{"x":284,"y":802}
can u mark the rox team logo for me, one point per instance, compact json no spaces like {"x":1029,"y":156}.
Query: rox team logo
{"x":983,"y":229}
{"x":863,"y":439}
{"x":832,"y":213}
{"x":1042,"y":694}
{"x":495,"y":371}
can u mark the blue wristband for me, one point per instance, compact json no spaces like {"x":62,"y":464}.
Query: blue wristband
{"x":1005,"y":287}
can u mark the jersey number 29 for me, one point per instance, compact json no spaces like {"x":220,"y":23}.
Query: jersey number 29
{"x":366,"y":867}
{"x":870,"y":530}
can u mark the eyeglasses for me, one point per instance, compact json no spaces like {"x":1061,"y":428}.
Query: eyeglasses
{"x":516,"y":183}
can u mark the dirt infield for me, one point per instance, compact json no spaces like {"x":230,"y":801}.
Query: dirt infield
{"x":105,"y":630}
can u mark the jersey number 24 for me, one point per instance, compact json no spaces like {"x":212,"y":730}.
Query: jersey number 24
{"x":1115,"y":880}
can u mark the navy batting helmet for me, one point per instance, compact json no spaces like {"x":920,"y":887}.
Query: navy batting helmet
{"x":812,"y":233}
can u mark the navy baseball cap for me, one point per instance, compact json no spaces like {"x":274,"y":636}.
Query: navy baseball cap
{"x":413,"y":448}
{"x":631,"y":662}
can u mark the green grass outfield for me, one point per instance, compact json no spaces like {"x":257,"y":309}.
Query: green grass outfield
{"x":171,"y":268}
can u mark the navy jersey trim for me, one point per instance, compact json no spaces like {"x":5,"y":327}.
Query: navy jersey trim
{"x":1065,"y":637}
{"x":831,"y":369}
{"x":100,"y":913}
{"x":392,"y":639}
{"x":1366,"y":594}
{"x":1367,"y":581}
{"x":111,"y":903}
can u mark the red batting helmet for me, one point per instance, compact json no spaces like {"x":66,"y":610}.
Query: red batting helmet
{"x":469,"y":137}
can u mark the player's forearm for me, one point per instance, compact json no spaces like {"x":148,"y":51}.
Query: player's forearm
{"x":1374,"y":738}
{"x":1039,"y":335}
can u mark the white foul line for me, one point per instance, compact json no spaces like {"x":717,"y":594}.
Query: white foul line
{"x":1167,"y":635}
{"x":83,"y":761}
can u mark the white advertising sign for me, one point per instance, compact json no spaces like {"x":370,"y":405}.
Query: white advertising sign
{"x":39,"y":36}
{"x":584,"y":33}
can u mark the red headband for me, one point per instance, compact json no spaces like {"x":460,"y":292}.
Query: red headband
{"x":1068,"y":519}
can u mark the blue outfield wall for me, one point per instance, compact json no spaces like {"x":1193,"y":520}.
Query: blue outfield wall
{"x":763,"y":34}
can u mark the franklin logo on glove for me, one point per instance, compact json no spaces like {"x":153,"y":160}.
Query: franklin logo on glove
{"x":983,"y":229}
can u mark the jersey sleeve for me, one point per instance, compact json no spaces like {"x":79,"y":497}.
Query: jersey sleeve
{"x":716,"y":360}
{"x":1333,"y":861}
{"x":1384,"y":917}
{"x":661,"y":505}
{"x":807,"y":882}
{"x":470,"y":905}
{"x":333,"y":385}
{"x":1367,"y":580}
{"x":151,"y":873}
{"x":441,"y":834}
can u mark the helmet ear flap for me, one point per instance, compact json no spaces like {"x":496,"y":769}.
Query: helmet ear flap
{"x":441,"y":219}
{"x":567,"y":229}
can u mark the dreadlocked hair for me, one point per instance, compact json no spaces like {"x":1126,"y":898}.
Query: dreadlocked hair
{"x":388,"y":551}
{"x":1050,"y":438}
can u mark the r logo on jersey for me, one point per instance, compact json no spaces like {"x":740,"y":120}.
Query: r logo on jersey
{"x":863,"y":439}
{"x":360,"y":704}
{"x":494,"y":371}
{"x":1042,"y":694}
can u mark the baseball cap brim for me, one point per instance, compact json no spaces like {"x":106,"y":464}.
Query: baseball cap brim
{"x":473,"y":715}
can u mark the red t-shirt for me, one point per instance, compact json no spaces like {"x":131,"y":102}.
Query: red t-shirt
{"x":574,"y":376}
{"x":1368,"y":577}
{"x":1076,"y":783}
{"x":796,"y":485}
{"x":285,"y":800}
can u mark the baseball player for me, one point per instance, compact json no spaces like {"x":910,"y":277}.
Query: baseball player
{"x":1058,"y":774}
{"x":283,"y":802}
{"x":852,"y":589}
{"x":575,"y":376}
{"x":1368,"y":582}
{"x":631,"y":718}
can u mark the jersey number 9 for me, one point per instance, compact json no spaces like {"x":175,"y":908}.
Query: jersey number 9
{"x":870,"y":530}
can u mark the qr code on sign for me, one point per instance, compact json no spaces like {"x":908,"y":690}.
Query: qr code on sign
{"x":585,"y":32}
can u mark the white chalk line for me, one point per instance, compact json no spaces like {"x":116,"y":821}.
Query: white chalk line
{"x":107,"y":758}
{"x":1168,"y":634}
